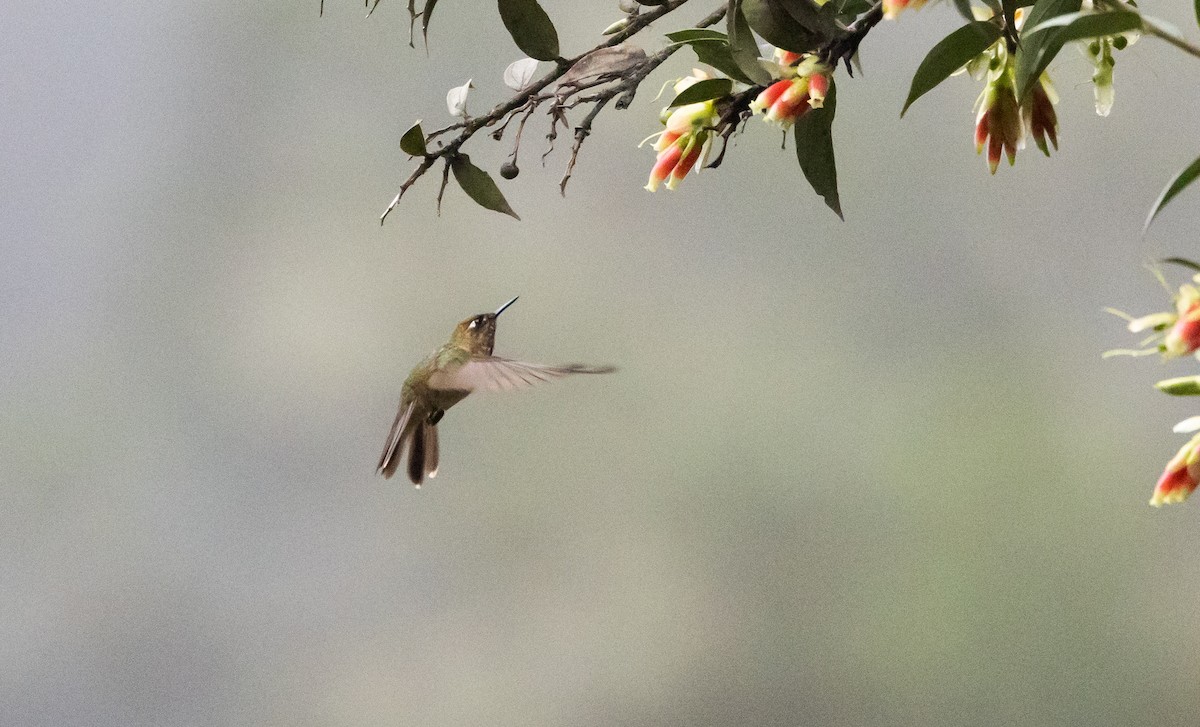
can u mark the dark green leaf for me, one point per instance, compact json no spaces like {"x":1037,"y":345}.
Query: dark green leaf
{"x":949,"y":55}
{"x":1182,"y":386}
{"x":1082,"y":25}
{"x":742,"y":45}
{"x":1038,"y":49}
{"x":1044,"y":10}
{"x":692,"y":35}
{"x":1196,"y":3}
{"x":810,"y":17}
{"x":718,"y":56}
{"x":1176,"y":185}
{"x":479,"y":185}
{"x":779,"y":28}
{"x":530,"y":28}
{"x":426,"y":13}
{"x":1182,"y":261}
{"x":705,"y":90}
{"x":964,"y":9}
{"x":413,"y":141}
{"x":712,"y":47}
{"x":814,"y":150}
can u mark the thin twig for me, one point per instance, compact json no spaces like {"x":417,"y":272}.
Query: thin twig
{"x":469,"y":127}
{"x":843,"y":48}
{"x":626,"y":90}
{"x":581,"y":133}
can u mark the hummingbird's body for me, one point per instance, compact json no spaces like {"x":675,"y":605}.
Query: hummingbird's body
{"x":461,"y":366}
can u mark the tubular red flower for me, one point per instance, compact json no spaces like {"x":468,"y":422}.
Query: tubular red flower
{"x":688,"y":159}
{"x":999,"y":123}
{"x":770,"y":95}
{"x":1040,"y":117}
{"x":818,"y":86}
{"x":1180,"y":477}
{"x":1184,"y":336}
{"x":667,"y":159}
{"x":787,"y":57}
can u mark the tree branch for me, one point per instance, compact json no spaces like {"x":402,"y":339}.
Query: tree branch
{"x":845,"y":47}
{"x":626,"y":89}
{"x":469,"y":127}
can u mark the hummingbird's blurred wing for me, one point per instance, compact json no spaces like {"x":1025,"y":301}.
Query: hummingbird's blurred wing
{"x":390,"y":459}
{"x":492,"y":373}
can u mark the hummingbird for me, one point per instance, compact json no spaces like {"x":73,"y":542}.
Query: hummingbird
{"x":462,"y":365}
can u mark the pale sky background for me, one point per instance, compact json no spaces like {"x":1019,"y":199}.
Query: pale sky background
{"x":861,"y":473}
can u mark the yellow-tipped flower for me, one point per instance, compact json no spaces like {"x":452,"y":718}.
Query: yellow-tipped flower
{"x":803,"y":87}
{"x":686,"y":139}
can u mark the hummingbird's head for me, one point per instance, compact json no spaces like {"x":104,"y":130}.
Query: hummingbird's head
{"x":477,"y":334}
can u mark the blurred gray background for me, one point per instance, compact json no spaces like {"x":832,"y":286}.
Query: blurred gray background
{"x":860,"y":473}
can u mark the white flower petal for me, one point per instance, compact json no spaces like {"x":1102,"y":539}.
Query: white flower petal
{"x":519,"y":73}
{"x":456,"y":99}
{"x":1152,"y":321}
{"x":1191,"y":424}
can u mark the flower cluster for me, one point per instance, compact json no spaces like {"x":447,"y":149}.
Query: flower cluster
{"x":687,"y":138}
{"x":803,"y":83}
{"x":1001,"y":120}
{"x":1174,"y":334}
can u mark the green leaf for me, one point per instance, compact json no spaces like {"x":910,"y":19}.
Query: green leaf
{"x":426,"y":13}
{"x":1086,"y":24}
{"x":1038,"y":49}
{"x":1044,"y":10}
{"x":949,"y":55}
{"x":810,"y":16}
{"x":778,"y":27}
{"x":742,"y":45}
{"x":814,"y":150}
{"x":1174,"y":187}
{"x":718,"y":56}
{"x":479,"y":185}
{"x":1183,"y":262}
{"x":530,"y":28}
{"x":705,"y":90}
{"x":712,"y":47}
{"x":413,"y":141}
{"x":694,"y":35}
{"x":964,"y":9}
{"x":1182,"y":386}
{"x":1196,"y":3}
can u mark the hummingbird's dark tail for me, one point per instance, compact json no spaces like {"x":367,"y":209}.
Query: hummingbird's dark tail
{"x":401,"y":430}
{"x":417,"y":430}
{"x":423,"y":455}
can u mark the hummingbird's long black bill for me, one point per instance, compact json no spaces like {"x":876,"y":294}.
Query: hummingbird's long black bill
{"x":501,"y":308}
